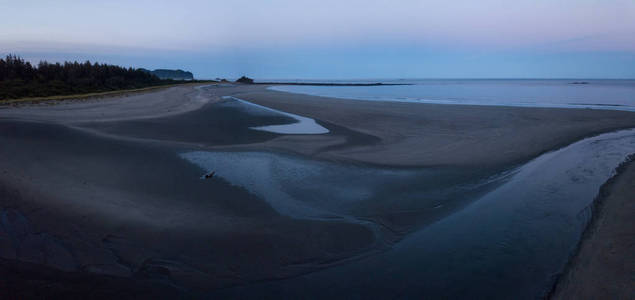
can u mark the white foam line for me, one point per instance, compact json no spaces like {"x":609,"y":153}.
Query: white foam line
{"x":303,"y":125}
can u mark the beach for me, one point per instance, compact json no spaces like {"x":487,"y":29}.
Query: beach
{"x":100,"y":186}
{"x":443,"y":135}
{"x":603,"y":265}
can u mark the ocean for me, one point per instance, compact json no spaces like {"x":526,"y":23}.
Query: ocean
{"x":559,"y":93}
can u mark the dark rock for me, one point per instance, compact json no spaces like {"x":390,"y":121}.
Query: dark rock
{"x":245,"y":79}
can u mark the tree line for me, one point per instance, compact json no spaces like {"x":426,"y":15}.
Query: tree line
{"x":20,"y":79}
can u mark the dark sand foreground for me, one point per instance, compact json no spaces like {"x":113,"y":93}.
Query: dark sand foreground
{"x":604,"y":267}
{"x":98,"y":187}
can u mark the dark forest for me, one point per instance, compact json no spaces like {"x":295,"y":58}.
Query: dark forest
{"x":21,"y":79}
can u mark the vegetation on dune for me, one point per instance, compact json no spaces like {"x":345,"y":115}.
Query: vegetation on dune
{"x":20,"y":79}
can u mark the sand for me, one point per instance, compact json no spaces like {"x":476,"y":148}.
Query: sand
{"x":164,"y":102}
{"x":413,"y":134}
{"x":373,"y":132}
{"x":604,"y":267}
{"x":98,"y":186}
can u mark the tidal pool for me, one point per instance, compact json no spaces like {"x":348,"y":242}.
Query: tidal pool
{"x":303,"y":125}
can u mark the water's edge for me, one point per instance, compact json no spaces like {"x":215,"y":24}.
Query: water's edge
{"x":595,"y":207}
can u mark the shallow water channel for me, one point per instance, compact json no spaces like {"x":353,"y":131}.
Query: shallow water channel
{"x":510,"y":240}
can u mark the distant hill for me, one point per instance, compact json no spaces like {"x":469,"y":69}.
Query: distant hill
{"x":171,"y":74}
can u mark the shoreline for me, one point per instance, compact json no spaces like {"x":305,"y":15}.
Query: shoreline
{"x":329,"y":84}
{"x":589,"y":106}
{"x":601,"y":263}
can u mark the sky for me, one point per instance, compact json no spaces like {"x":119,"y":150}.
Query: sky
{"x":326,"y":39}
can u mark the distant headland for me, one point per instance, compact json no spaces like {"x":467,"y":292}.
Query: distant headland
{"x":171,"y":74}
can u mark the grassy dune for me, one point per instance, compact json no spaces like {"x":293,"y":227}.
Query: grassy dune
{"x":84,"y":96}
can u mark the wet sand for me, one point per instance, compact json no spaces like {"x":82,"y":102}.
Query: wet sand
{"x":372,"y":132}
{"x":604,"y":266}
{"x":98,"y":187}
{"x":414,"y":134}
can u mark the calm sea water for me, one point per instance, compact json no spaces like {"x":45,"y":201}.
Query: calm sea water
{"x":597,"y":94}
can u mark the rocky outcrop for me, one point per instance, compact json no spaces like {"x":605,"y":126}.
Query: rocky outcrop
{"x":245,"y":79}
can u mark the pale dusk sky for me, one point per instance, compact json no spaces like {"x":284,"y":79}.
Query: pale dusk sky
{"x":333,"y":39}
